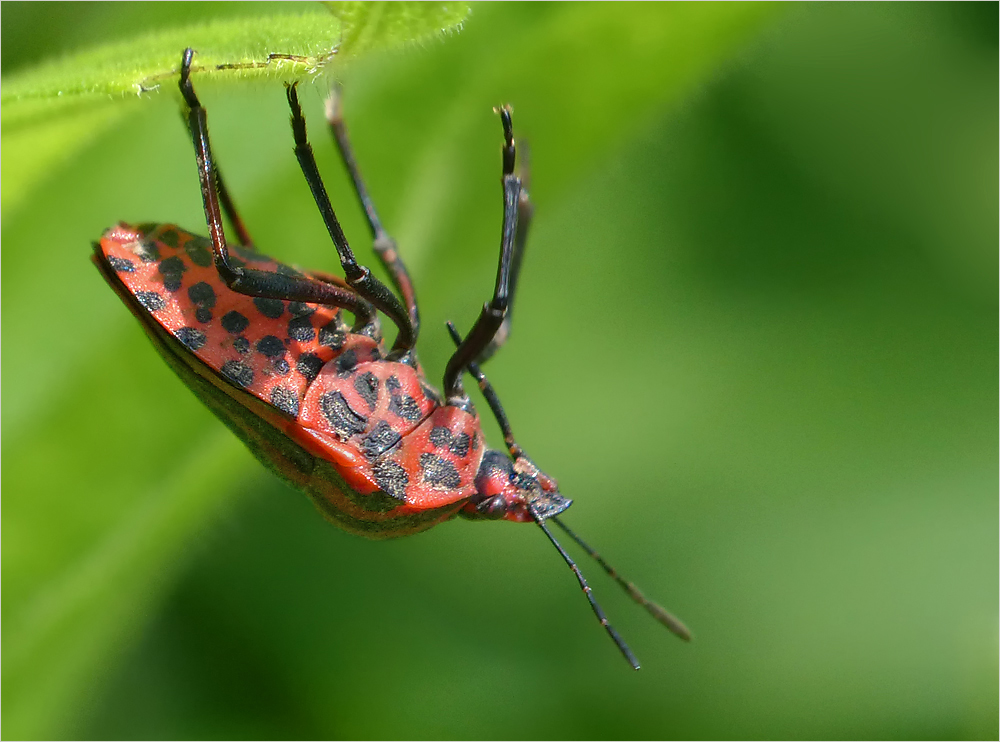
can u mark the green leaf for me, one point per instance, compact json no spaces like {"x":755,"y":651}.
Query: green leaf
{"x":58,"y":106}
{"x":287,"y":45}
{"x":379,"y":25}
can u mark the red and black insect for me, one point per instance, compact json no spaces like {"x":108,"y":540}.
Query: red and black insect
{"x":320,"y":401}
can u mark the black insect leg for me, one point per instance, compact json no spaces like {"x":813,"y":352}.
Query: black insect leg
{"x":383,"y":244}
{"x":489,"y":393}
{"x":243,"y":280}
{"x":525,"y":211}
{"x":358,"y":276}
{"x":225,"y":200}
{"x":493,"y":313}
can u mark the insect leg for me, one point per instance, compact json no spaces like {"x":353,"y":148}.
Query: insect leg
{"x":244,"y":280}
{"x":493,"y":313}
{"x":491,"y":399}
{"x":525,"y":211}
{"x":225,"y":200}
{"x":359,"y":277}
{"x":384,"y":245}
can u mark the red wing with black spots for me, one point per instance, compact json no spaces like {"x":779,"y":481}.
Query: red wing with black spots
{"x":271,"y":348}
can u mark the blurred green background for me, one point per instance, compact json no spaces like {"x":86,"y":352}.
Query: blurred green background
{"x":756,"y":341}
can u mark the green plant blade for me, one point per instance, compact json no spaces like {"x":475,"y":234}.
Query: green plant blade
{"x":53,"y":109}
{"x":285,"y":46}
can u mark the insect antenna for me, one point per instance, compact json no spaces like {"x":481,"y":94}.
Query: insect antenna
{"x":674,"y":624}
{"x":489,"y":393}
{"x":622,"y":646}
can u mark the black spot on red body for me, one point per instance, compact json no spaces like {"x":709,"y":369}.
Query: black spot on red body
{"x":366,"y":385}
{"x":168,"y":236}
{"x":301,"y":329}
{"x":391,"y":478}
{"x":241,"y":345}
{"x":172,"y":269}
{"x":150,"y":300}
{"x":392,"y":384}
{"x":285,"y":400}
{"x":300,"y":309}
{"x":238,"y":372}
{"x":331,"y":335}
{"x":233,"y":322}
{"x":281,"y":367}
{"x":192,"y":338}
{"x":380,"y":439}
{"x":439,"y":472}
{"x":202,"y":294}
{"x":309,"y":365}
{"x":270,"y":346}
{"x":405,"y":406}
{"x":440,"y":436}
{"x":270,"y":308}
{"x":200,"y":254}
{"x":121,"y":265}
{"x":344,"y":421}
{"x":460,"y":445}
{"x":173,"y":264}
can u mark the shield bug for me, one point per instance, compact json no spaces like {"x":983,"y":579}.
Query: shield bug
{"x":322,"y":401}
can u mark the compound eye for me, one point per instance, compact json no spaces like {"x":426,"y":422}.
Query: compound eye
{"x":492,"y":507}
